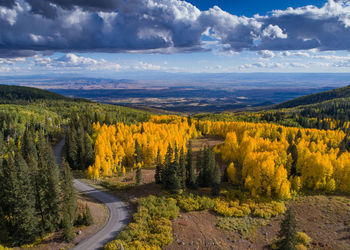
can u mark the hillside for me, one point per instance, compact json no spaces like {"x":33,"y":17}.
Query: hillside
{"x":15,"y":94}
{"x":316,"y":98}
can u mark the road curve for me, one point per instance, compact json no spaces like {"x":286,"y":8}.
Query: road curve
{"x":118,"y":213}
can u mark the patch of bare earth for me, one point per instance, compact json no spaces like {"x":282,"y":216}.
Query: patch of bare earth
{"x":326,"y":219}
{"x":98,"y":211}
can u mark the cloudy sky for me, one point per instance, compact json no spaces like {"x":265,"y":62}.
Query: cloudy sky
{"x":107,"y":37}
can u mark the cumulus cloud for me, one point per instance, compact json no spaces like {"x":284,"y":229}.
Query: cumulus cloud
{"x":164,"y":26}
{"x":266,"y":54}
{"x":73,"y":61}
{"x":273,"y":31}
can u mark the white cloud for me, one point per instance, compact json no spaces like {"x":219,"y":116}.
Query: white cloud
{"x":266,"y":54}
{"x":273,"y":31}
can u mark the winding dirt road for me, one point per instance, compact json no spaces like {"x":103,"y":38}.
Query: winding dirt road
{"x":118,"y":214}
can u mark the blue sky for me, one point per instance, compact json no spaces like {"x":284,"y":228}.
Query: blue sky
{"x":110,"y":37}
{"x":252,"y":7}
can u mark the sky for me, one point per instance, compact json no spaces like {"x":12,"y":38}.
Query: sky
{"x":114,"y":37}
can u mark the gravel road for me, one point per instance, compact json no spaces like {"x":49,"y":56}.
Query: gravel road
{"x":118,"y":213}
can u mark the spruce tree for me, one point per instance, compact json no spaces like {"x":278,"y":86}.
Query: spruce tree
{"x":167,"y":165}
{"x":159,"y":167}
{"x":89,"y":152}
{"x":206,"y":172}
{"x":69,"y":200}
{"x":88,"y":220}
{"x":72,"y":147}
{"x":68,"y":233}
{"x":173,"y":183}
{"x":199,"y":160}
{"x":17,"y":200}
{"x":190,"y":171}
{"x":48,"y":181}
{"x":216,"y":181}
{"x":287,"y":234}
{"x":182,"y":169}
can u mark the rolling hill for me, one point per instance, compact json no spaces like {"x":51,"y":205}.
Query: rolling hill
{"x":10,"y":94}
{"x":316,"y":98}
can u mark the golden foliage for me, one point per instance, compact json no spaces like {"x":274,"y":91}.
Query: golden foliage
{"x":115,"y":144}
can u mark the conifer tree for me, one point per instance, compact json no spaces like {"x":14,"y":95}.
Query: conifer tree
{"x":72,"y":147}
{"x":17,"y":200}
{"x":159,"y":167}
{"x":206,"y":172}
{"x":69,"y":200}
{"x":167,"y":165}
{"x":88,"y":220}
{"x":216,"y":181}
{"x":190,"y":171}
{"x":68,"y":233}
{"x":199,"y":159}
{"x":48,"y":181}
{"x":89,"y":152}
{"x":182,"y":169}
{"x":287,"y":234}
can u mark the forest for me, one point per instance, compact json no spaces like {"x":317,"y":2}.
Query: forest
{"x":260,"y":164}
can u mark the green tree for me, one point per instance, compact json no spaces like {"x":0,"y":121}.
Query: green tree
{"x":216,"y":181}
{"x":88,"y":220}
{"x":69,"y":200}
{"x":159,"y":168}
{"x":48,"y":186}
{"x":17,"y":199}
{"x":190,"y":171}
{"x":287,"y":234}
{"x":205,"y":176}
{"x":182,"y":169}
{"x":68,"y":233}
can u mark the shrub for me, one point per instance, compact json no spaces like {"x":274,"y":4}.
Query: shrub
{"x":192,"y":202}
{"x":303,"y":238}
{"x":235,"y":208}
{"x":300,"y":247}
{"x":116,"y":185}
{"x":152,"y":227}
{"x":4,"y":248}
{"x":244,"y":225}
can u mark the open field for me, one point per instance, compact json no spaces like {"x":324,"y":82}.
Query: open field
{"x":324,"y":218}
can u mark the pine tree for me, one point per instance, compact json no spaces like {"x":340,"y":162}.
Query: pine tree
{"x":167,"y":164}
{"x":287,"y":234}
{"x":68,"y":233}
{"x":159,"y":167}
{"x":173,"y":182}
{"x":48,"y":184}
{"x":17,"y":200}
{"x":206,"y":172}
{"x":199,"y":159}
{"x":138,"y":175}
{"x":182,"y":169}
{"x":89,"y":152}
{"x":72,"y":148}
{"x":88,"y":220}
{"x":190,"y":171}
{"x":216,"y":181}
{"x":69,"y":200}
